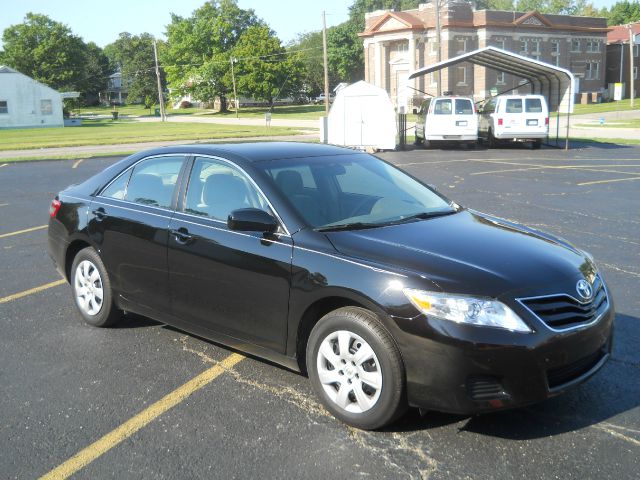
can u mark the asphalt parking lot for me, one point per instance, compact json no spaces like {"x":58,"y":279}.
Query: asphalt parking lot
{"x":72,"y":395}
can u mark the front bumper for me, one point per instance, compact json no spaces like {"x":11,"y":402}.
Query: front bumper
{"x":465,"y":370}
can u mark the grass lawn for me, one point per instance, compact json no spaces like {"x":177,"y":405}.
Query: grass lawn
{"x":107,"y":132}
{"x":618,"y":141}
{"x":134,"y":110}
{"x":298,"y":112}
{"x":618,"y":106}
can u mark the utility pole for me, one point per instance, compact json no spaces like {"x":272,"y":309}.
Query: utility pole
{"x":631,"y":62}
{"x":163,"y":117}
{"x":233,"y":79}
{"x":326,"y":66}
{"x":439,"y":51}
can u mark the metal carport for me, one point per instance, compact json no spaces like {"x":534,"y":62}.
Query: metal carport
{"x":556,"y":83}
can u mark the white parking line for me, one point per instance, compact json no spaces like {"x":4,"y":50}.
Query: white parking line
{"x":78,"y":162}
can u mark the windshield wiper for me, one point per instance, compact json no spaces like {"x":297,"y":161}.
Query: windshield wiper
{"x":424,"y":216}
{"x":349,"y":226}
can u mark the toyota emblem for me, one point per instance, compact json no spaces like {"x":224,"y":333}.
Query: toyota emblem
{"x":584,"y":289}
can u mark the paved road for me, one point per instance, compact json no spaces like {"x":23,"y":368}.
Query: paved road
{"x":64,"y":384}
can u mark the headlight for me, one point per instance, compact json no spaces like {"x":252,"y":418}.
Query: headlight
{"x":464,"y":309}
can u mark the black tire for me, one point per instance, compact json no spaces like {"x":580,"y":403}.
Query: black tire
{"x":362,"y":323}
{"x":536,"y":144}
{"x":107,"y":313}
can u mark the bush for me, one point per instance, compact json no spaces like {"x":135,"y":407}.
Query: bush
{"x":185,"y":104}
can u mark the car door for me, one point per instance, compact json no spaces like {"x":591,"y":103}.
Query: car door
{"x":440,"y":120}
{"x":234,"y":283}
{"x":129,"y":222}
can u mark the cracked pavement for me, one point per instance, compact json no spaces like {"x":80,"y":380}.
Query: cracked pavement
{"x":65,"y":384}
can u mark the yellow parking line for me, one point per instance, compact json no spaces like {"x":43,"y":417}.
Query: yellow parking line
{"x":609,"y":181}
{"x":4,"y":165}
{"x":26,"y":230}
{"x":131,"y":426}
{"x":78,"y":162}
{"x":18,"y":295}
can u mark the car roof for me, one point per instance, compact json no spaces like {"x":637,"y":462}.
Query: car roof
{"x":257,"y":151}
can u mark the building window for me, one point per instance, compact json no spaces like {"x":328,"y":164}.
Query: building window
{"x":535,"y":56}
{"x":500,"y":78}
{"x":636,"y":49}
{"x":462,"y":75}
{"x":556,"y":60}
{"x":434,"y":47}
{"x":575,"y":46}
{"x":592,"y":71}
{"x":46,"y":107}
{"x":500,"y":43}
{"x":4,"y":107}
{"x":555,"y":47}
{"x":524,"y":46}
{"x":593,"y":46}
{"x":635,"y":73}
{"x":434,"y":78}
{"x":402,"y":47}
{"x":535,"y":47}
{"x":462,"y":44}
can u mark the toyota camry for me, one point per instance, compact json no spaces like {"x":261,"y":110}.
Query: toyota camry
{"x":337,"y":264}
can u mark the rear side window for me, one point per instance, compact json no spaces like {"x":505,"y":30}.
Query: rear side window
{"x":153,"y":181}
{"x":463,"y":107}
{"x":514,"y":105}
{"x":533,"y":105}
{"x":443,"y":107}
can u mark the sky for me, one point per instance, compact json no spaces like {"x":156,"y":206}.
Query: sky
{"x":101,"y":22}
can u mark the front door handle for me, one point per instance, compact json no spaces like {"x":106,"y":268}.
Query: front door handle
{"x":100,"y":214}
{"x":182,"y":235}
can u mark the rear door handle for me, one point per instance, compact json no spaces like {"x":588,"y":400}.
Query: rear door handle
{"x":100,"y":214}
{"x":182,"y":235}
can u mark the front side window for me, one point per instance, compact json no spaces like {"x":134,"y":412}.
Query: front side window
{"x":514,"y":105}
{"x":153,"y":181}
{"x":46,"y":107}
{"x":4,"y":106}
{"x":216,"y":188}
{"x":443,"y":107}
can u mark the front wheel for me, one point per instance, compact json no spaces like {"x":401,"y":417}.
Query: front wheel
{"x":92,"y":289}
{"x":356,"y":369}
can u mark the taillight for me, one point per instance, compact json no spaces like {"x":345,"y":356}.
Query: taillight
{"x":499,"y":122}
{"x":546,"y":121}
{"x":55,"y":207}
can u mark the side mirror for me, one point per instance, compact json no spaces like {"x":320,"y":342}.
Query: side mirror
{"x":252,"y":220}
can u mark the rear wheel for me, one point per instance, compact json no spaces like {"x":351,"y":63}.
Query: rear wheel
{"x":536,"y":144}
{"x":356,"y":369}
{"x":92,"y":289}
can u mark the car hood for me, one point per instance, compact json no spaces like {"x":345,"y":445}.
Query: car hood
{"x":469,"y":252}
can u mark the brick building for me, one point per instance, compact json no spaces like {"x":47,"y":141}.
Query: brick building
{"x":618,"y":63}
{"x":397,"y":43}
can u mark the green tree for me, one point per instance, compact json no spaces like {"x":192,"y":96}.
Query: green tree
{"x":45,"y":50}
{"x":199,"y":47}
{"x":622,"y":12}
{"x":96,"y":73}
{"x":133,"y":56}
{"x":345,"y":52}
{"x":264,"y":70}
{"x":307,"y":49}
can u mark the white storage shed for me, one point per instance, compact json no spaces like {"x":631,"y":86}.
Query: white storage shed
{"x":362,"y":116}
{"x":26,"y":103}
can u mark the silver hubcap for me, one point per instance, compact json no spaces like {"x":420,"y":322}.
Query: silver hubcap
{"x":349,"y":371}
{"x":88,"y":288}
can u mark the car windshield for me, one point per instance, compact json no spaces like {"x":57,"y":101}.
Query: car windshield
{"x":353,"y":191}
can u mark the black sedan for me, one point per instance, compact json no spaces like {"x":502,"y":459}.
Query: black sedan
{"x":334,"y":262}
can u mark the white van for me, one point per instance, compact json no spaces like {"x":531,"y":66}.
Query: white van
{"x":447,"y":119}
{"x":516,"y":118}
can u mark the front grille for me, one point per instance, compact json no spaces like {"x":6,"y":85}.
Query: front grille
{"x":485,"y":388}
{"x":557,"y":377}
{"x":562,"y":311}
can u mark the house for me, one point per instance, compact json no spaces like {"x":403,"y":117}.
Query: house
{"x":25,"y":102}
{"x":117,"y":91}
{"x":618,"y":63}
{"x":397,"y":43}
